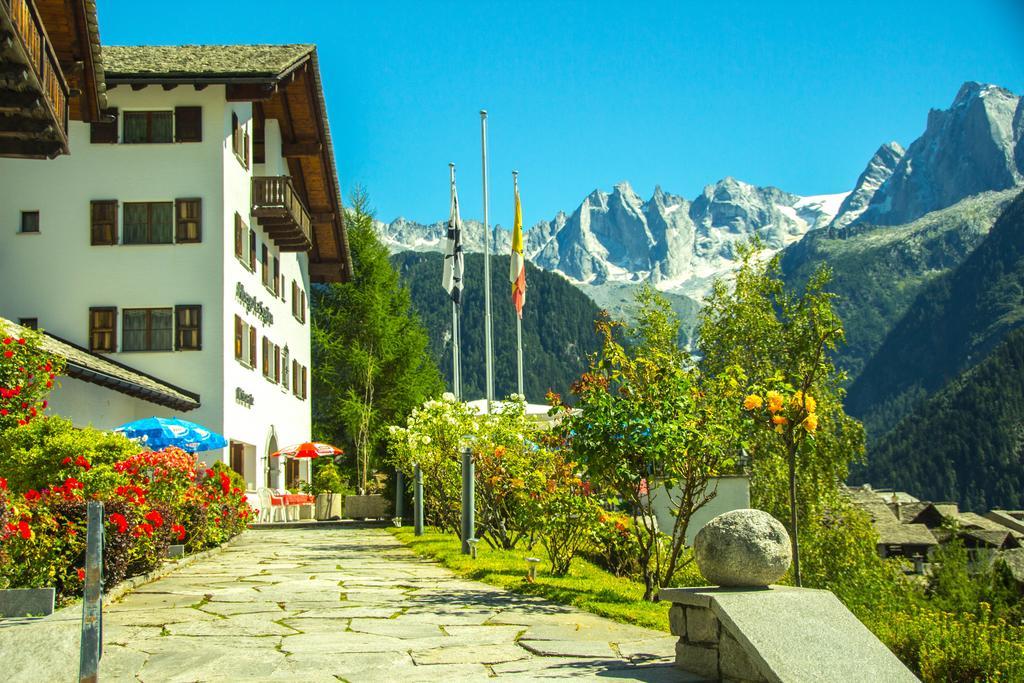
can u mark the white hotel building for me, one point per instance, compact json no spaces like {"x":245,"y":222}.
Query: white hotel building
{"x":176,"y":243}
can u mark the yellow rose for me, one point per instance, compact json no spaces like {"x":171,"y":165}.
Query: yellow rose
{"x":753,"y":402}
{"x":779,"y":420}
{"x":774,"y":401}
{"x":802,"y":401}
{"x":811,"y":423}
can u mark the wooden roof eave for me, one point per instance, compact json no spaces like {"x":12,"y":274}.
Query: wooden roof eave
{"x":95,"y":91}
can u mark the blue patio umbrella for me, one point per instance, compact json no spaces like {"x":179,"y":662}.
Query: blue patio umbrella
{"x":162,"y":432}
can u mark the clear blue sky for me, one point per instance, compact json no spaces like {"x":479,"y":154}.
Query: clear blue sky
{"x":795,"y":94}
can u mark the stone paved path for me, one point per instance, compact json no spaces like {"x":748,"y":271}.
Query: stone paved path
{"x":336,"y":604}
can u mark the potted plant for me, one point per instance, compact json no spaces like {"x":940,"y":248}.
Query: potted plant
{"x":328,"y":488}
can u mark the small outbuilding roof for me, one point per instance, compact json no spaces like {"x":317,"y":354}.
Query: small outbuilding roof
{"x":90,"y":367}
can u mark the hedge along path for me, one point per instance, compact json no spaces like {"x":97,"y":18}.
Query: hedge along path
{"x":336,"y":604}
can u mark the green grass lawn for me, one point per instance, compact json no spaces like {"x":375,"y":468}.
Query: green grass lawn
{"x":587,"y":586}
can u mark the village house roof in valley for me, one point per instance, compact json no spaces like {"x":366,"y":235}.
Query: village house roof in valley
{"x":283,"y":82}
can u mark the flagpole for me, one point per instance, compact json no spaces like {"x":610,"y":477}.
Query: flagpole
{"x":488,"y":342}
{"x":519,"y":319}
{"x":456,"y":351}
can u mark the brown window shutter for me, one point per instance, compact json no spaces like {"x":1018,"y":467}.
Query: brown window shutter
{"x":252,"y":347}
{"x":188,"y":124}
{"x":103,"y":329}
{"x":239,"y":341}
{"x":245,"y":153}
{"x":188,"y":220}
{"x":188,"y":328}
{"x":239,"y":238}
{"x":252,"y":250}
{"x":104,"y":131}
{"x":103,"y":221}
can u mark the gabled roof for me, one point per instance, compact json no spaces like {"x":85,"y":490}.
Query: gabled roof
{"x":283,"y":82}
{"x":90,"y":367}
{"x":205,"y":61}
{"x":890,"y":530}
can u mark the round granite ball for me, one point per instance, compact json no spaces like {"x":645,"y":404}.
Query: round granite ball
{"x":743,"y":548}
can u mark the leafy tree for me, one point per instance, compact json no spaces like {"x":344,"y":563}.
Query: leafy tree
{"x":648,"y":419}
{"x":784,"y":345}
{"x":371,"y":364}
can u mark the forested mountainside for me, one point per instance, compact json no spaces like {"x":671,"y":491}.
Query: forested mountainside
{"x":878,"y":272}
{"x":558,"y":325}
{"x":965,"y":443}
{"x":952,"y":324}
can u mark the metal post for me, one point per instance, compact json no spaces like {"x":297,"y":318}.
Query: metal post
{"x":417,"y":515}
{"x":456,"y":342}
{"x":488,"y":341}
{"x":519,"y":320}
{"x":468,"y":505}
{"x":399,"y":495}
{"x":92,"y":603}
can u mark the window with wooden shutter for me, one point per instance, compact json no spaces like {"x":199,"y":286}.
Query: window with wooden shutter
{"x":147,"y":329}
{"x":239,"y":238}
{"x":304,"y":378}
{"x":267,"y":372}
{"x":252,"y":250}
{"x":277,"y":364}
{"x":188,"y":124}
{"x":277,"y":276}
{"x":295,"y":377}
{"x":189,"y":218}
{"x":265,"y":266}
{"x":238,"y":458}
{"x":103,"y":329}
{"x":295,"y":299}
{"x":302,"y":305}
{"x":147,"y":127}
{"x":239,"y":140}
{"x":188,"y":327}
{"x":104,"y":131}
{"x":252,"y":347}
{"x":103,"y":217}
{"x":240,"y":341}
{"x":148,"y":223}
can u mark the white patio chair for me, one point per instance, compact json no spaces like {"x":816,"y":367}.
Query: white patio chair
{"x":268,"y":511}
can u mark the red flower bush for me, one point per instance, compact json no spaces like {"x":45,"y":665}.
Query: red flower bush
{"x":151,"y":499}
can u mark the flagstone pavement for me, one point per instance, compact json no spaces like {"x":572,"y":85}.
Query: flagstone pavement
{"x":334,"y":604}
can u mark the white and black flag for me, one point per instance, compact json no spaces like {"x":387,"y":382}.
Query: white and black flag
{"x":453,"y":260}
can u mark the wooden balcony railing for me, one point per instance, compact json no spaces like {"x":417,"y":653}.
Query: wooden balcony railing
{"x":280,"y":212}
{"x":31,"y":46}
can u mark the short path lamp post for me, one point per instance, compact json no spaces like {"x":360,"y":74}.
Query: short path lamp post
{"x":532,"y":562}
{"x":473,"y":542}
{"x":399,"y":497}
{"x":468,"y":494}
{"x":417,"y":510}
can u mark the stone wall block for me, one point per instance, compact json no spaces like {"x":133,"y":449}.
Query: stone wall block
{"x":697,"y":659}
{"x":677,"y":620}
{"x":701,"y":625}
{"x":733,"y":661}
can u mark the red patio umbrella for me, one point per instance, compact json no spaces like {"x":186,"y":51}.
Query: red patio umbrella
{"x":308,"y":450}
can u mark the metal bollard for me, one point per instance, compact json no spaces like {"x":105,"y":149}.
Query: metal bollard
{"x":417,"y":516}
{"x":92,"y":603}
{"x":468,"y":505}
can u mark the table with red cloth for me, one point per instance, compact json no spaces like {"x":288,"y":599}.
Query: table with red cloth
{"x":291,"y":500}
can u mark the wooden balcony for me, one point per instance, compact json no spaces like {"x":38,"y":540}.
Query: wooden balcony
{"x":33,"y":90}
{"x":280,"y":212}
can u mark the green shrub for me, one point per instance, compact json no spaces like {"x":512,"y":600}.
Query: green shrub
{"x":49,"y":449}
{"x":327,"y":479}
